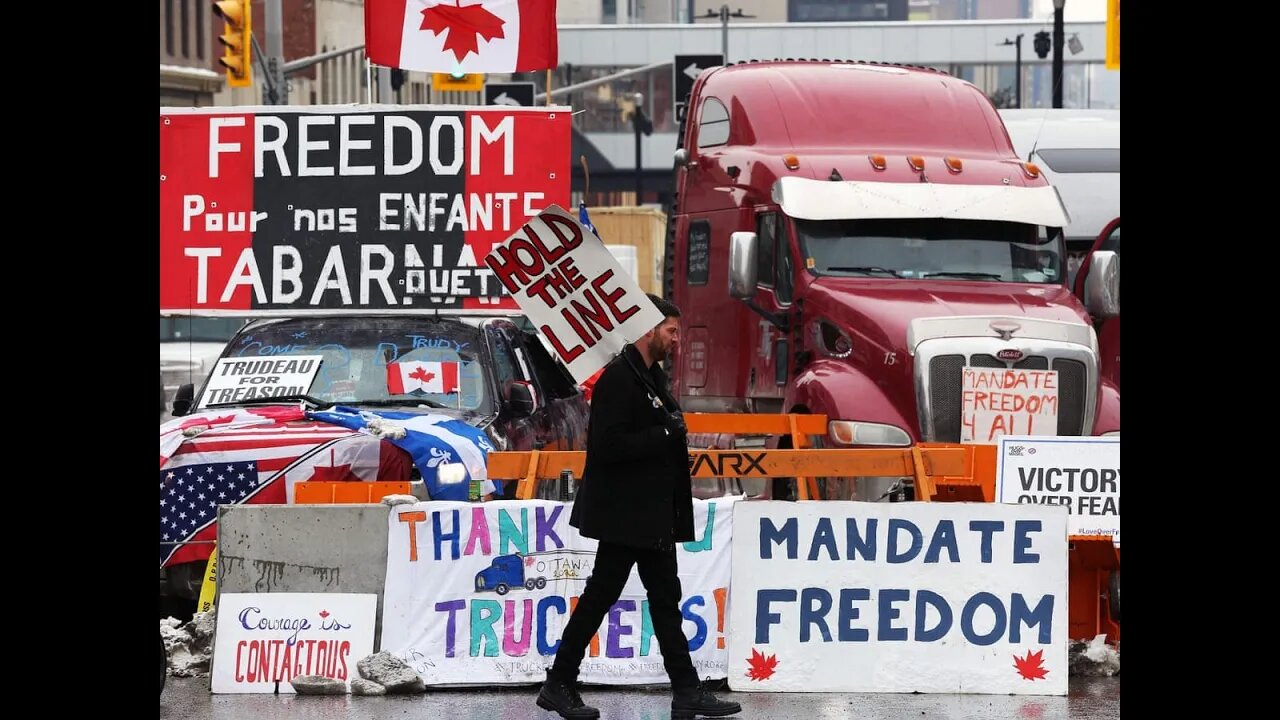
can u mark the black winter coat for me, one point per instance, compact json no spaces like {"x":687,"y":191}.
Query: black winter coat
{"x":635,"y":488}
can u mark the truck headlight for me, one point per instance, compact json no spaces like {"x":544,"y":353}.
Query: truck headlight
{"x":849,"y":432}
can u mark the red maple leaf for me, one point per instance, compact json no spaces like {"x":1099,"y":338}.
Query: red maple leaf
{"x":1030,"y":666}
{"x":197,"y":422}
{"x":463,"y":24}
{"x":280,"y":413}
{"x":761,"y":667}
{"x":333,"y":473}
{"x":421,"y":374}
{"x":324,"y":613}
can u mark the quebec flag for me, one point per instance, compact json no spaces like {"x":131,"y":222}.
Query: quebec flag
{"x":430,"y":440}
{"x":585,"y":219}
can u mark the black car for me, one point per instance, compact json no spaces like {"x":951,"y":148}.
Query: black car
{"x":507,"y":384}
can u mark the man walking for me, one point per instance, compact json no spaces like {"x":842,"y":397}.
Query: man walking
{"x":636,"y":499}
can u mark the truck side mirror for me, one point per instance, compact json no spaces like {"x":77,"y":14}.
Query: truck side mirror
{"x":520,"y":397}
{"x":742,"y":265}
{"x":1102,"y":285}
{"x":182,"y":399}
{"x":682,"y":159}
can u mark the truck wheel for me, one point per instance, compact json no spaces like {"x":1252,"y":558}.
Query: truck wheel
{"x":501,"y":589}
{"x":164,"y":664}
{"x":528,"y":584}
{"x":1113,"y":595}
{"x":540,"y":583}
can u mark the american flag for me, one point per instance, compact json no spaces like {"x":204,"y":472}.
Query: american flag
{"x":190,"y":496}
{"x":257,"y":464}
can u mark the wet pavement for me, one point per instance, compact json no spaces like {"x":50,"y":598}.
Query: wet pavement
{"x":1094,"y":698}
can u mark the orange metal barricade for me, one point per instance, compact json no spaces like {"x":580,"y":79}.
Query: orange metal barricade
{"x":317,"y":493}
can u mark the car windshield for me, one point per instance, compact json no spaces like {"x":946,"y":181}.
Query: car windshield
{"x":931,"y":249}
{"x":199,"y":329}
{"x":385,"y":361}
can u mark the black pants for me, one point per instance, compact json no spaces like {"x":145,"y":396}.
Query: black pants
{"x":661,"y":581}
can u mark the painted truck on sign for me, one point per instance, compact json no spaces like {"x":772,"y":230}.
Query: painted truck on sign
{"x":534,"y":570}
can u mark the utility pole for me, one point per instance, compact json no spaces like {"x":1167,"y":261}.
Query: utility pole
{"x":724,"y":15}
{"x":1058,"y":42}
{"x":724,"y":32}
{"x":642,"y":126}
{"x":275,"y":55}
{"x":1017,"y":68}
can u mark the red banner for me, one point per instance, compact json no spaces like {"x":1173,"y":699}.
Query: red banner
{"x":321,"y":209}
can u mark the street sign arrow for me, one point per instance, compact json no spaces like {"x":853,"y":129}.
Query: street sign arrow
{"x":685,"y":71}
{"x":510,"y":94}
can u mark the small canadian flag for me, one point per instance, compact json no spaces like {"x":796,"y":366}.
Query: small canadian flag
{"x":434,"y":378}
{"x":467,"y":36}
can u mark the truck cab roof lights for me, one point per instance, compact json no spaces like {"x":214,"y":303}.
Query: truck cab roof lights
{"x":1031,"y":169}
{"x":791,"y":161}
{"x":916,"y":162}
{"x":954,"y":164}
{"x":877,"y":162}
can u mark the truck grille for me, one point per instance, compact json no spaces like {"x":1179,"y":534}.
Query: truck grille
{"x":944,"y":391}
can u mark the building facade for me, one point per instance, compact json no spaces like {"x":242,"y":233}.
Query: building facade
{"x":599,"y":38}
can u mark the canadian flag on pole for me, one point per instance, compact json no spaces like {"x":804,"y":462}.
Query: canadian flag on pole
{"x":437,"y":378}
{"x":469,"y":36}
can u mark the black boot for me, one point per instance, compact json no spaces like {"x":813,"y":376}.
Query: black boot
{"x":690,"y":702}
{"x":561,"y":696}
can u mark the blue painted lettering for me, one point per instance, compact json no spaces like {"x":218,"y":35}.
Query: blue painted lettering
{"x":823,"y":535}
{"x":896,"y":525}
{"x":699,"y":625}
{"x":971,"y":607}
{"x":889,"y":613}
{"x":771,"y":534}
{"x":1020,"y":614}
{"x":815,"y":603}
{"x":944,"y":538}
{"x":986,"y":527}
{"x":765,"y":618}
{"x":926,"y":599}
{"x":1022,"y":543}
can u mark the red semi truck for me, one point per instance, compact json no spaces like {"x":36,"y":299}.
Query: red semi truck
{"x":852,"y":239}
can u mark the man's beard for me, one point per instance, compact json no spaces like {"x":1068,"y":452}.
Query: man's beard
{"x":657,"y":351}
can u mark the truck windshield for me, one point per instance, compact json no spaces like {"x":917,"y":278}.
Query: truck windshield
{"x":931,"y":249}
{"x":381,"y":361}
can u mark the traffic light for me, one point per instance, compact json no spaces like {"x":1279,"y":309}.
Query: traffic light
{"x":458,"y":81}
{"x":397,"y":79}
{"x":1113,"y":34}
{"x":237,"y":36}
{"x":1042,"y":43}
